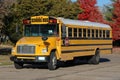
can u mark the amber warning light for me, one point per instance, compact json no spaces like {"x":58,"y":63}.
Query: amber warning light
{"x":25,"y":21}
{"x":42,"y":20}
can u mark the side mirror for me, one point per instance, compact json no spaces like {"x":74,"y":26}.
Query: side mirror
{"x":44,"y":38}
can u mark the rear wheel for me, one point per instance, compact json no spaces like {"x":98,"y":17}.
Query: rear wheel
{"x":18,"y":65}
{"x":52,"y":63}
{"x":94,"y":59}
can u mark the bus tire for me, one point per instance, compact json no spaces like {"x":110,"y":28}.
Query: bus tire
{"x":96,"y":58}
{"x":52,"y":63}
{"x":18,"y":65}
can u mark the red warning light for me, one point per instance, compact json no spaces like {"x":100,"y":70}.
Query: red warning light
{"x":52,"y":21}
{"x":25,"y":21}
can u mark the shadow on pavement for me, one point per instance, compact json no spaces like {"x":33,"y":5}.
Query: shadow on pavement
{"x":35,"y":66}
{"x":62,"y":64}
{"x":82,"y":62}
{"x":102,"y":60}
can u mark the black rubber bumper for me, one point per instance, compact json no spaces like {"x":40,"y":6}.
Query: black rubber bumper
{"x":15,"y":59}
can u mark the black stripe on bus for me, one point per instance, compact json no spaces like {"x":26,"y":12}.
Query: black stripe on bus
{"x":91,"y":38}
{"x":106,"y":49}
{"x":70,"y":38}
{"x":70,"y":51}
{"x":84,"y":45}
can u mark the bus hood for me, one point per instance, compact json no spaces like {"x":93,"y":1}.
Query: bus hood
{"x":35,"y":40}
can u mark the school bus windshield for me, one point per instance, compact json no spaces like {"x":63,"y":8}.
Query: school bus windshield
{"x":41,"y":30}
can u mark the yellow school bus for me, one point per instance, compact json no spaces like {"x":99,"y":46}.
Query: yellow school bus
{"x":51,"y":39}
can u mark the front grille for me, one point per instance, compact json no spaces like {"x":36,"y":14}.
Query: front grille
{"x":26,"y":49}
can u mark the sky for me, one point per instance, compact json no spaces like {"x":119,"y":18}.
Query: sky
{"x":101,"y":3}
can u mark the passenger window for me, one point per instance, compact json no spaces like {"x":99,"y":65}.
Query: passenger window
{"x":92,"y":33}
{"x":80,"y":33}
{"x":103,"y":33}
{"x":75,"y":32}
{"x":84,"y":33}
{"x":88,"y":32}
{"x":70,"y":32}
{"x":63,"y":31}
{"x":100,"y":33}
{"x":107,"y":33}
{"x":96,"y":33}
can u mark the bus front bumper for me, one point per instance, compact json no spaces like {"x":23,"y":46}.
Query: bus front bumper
{"x":29,"y":59}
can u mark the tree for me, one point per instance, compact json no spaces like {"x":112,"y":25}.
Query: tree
{"x":22,"y":9}
{"x":108,"y":12}
{"x":57,"y":8}
{"x":4,"y":11}
{"x":116,"y":21}
{"x":90,"y":11}
{"x":116,"y":13}
{"x":112,"y":15}
{"x":64,"y":8}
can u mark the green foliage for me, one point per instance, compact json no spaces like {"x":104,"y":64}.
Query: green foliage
{"x":26,"y":8}
{"x":63,"y":8}
{"x":4,"y":9}
{"x":57,"y":8}
{"x":108,"y":13}
{"x":10,"y":28}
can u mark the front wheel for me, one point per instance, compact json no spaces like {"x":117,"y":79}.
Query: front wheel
{"x":52,"y":63}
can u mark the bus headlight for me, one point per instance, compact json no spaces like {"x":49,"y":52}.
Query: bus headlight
{"x":13,"y":50}
{"x":41,"y":58}
{"x":44,"y":50}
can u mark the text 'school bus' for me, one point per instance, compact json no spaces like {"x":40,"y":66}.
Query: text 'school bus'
{"x":49,"y":39}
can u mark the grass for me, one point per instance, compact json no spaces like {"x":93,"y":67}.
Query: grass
{"x":5,"y":60}
{"x":5,"y":51}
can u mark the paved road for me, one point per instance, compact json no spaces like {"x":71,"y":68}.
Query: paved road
{"x":108,"y":69}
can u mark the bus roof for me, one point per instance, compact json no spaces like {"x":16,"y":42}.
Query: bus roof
{"x":83,"y":23}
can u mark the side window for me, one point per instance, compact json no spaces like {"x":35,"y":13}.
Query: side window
{"x":70,"y":32}
{"x":96,"y":33}
{"x":100,"y":33}
{"x":107,"y":33}
{"x":80,"y":33}
{"x":75,"y":32}
{"x":92,"y":33}
{"x":103,"y":33}
{"x":84,"y":33}
{"x":63,"y":31}
{"x":89,"y":33}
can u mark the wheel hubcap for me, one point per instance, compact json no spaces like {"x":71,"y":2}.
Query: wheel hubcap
{"x":54,"y":61}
